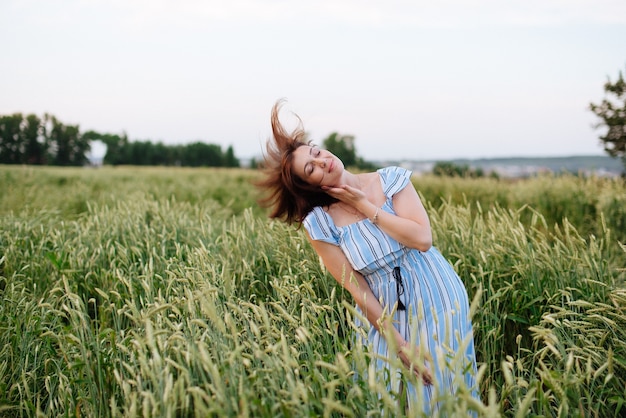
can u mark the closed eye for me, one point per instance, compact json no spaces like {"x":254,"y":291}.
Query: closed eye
{"x":315,"y":152}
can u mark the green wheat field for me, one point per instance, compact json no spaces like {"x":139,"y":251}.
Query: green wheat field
{"x":166,"y":292}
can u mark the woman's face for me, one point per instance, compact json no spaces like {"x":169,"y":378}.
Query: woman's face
{"x":317,"y":166}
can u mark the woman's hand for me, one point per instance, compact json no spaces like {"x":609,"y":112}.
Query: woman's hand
{"x":347,"y":194}
{"x":410,"y":356}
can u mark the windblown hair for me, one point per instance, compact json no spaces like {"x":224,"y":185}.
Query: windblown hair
{"x":289,"y":197}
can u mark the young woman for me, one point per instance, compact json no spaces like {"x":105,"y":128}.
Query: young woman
{"x":373,"y":235}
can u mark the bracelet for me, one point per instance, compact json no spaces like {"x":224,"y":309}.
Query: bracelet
{"x":375,"y":217}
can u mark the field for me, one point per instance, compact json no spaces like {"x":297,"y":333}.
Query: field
{"x":167,"y":292}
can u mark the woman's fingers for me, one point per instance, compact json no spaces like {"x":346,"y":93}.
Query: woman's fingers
{"x":426,"y":376}
{"x":423,"y":373}
{"x":344,"y":193}
{"x":410,"y":360}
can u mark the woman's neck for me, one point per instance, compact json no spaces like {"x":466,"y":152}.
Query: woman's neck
{"x":353,"y":180}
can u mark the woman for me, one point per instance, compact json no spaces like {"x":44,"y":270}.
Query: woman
{"x":373,"y":235}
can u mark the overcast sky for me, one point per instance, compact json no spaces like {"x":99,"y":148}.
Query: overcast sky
{"x":412,"y":79}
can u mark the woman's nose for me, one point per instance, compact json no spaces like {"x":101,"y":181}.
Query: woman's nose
{"x":320,"y":162}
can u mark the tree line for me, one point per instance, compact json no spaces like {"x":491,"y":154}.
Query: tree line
{"x":34,"y":140}
{"x":30,"y":139}
{"x":121,"y":151}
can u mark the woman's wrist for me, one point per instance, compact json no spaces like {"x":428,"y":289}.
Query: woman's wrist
{"x":374,"y":218}
{"x":372,"y":212}
{"x":402,"y":345}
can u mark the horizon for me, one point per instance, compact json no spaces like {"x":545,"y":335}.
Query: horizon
{"x":100,"y":152}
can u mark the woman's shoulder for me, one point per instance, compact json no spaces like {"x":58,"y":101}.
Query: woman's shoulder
{"x":315,"y":213}
{"x":394,"y":179}
{"x":394,"y":170}
{"x":320,"y":226}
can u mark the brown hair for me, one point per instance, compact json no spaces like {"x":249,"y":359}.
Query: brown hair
{"x":288,"y":196}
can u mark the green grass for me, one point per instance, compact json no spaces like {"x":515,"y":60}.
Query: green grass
{"x":166,"y":292}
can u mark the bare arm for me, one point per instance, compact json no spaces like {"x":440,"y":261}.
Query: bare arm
{"x":351,"y":280}
{"x":410,"y":226}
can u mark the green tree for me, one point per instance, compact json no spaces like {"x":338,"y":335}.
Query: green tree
{"x":23,"y":140}
{"x":343,"y":147}
{"x":116,"y":146}
{"x":67,"y":144}
{"x":199,"y":154}
{"x":612,"y":112}
{"x":361,"y":164}
{"x":229,"y":158}
{"x":35,"y":140}
{"x":32,"y":140}
{"x":11,"y":139}
{"x":161,"y":155}
{"x":138,"y":153}
{"x":449,"y":169}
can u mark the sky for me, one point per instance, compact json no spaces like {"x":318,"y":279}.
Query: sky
{"x":409,"y":79}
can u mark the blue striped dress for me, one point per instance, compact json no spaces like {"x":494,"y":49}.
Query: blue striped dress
{"x":435,"y":302}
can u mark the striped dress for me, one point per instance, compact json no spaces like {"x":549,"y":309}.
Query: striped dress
{"x":426,"y":296}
